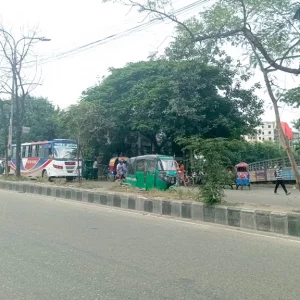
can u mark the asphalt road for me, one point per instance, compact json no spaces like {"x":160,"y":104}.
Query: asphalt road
{"x":54,"y":249}
{"x":265,"y":196}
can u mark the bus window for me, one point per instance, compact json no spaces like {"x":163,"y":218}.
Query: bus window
{"x":45,"y":151}
{"x":29,"y":151}
{"x":37,"y":150}
{"x":26,"y":151}
{"x":23,"y":151}
{"x":42,"y":151}
{"x":33,"y":152}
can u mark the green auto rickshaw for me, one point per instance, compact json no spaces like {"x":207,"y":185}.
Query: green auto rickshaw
{"x":151,"y":172}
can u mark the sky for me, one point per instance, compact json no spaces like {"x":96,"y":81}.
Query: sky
{"x":71,"y":24}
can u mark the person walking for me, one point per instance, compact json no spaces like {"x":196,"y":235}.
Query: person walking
{"x":280,"y":180}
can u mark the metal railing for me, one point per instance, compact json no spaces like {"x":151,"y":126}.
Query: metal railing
{"x":272,"y":163}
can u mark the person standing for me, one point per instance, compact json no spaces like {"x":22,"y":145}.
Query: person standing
{"x":280,"y":180}
{"x":95,"y":169}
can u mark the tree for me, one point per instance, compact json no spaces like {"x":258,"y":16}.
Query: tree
{"x":41,"y":116}
{"x":292,"y":98}
{"x":16,"y":54}
{"x":85,"y":123}
{"x":267,"y":25}
{"x":216,"y":156}
{"x":263,"y":29}
{"x":163,"y":100}
{"x":4,"y":123}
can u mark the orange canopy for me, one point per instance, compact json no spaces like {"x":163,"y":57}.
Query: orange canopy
{"x":287,"y":130}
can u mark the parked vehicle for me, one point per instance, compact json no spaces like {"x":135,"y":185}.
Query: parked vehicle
{"x":112,"y":168}
{"x":48,"y":159}
{"x":242,"y":175}
{"x":197,"y":178}
{"x":151,"y":171}
{"x":87,"y":171}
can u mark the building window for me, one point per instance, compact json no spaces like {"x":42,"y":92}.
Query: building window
{"x":262,"y":126}
{"x":263,"y":139}
{"x":270,"y":132}
{"x":270,"y":139}
{"x":269,"y":126}
{"x":259,"y":138}
{"x":262,"y":133}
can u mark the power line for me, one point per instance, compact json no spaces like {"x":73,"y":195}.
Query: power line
{"x":119,"y":35}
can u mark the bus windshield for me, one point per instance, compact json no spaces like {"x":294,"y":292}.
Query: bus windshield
{"x":168,"y":164}
{"x":65,"y":150}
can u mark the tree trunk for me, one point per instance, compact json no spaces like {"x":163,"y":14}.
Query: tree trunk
{"x":282,"y":136}
{"x":139,"y":144}
{"x":5,"y":132}
{"x":18,"y":150}
{"x":286,"y":145}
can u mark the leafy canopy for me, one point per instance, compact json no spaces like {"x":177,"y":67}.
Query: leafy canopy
{"x":163,"y":100}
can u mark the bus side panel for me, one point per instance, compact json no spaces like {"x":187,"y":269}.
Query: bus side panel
{"x":31,"y":166}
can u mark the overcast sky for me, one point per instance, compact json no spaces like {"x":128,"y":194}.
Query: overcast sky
{"x":71,"y":24}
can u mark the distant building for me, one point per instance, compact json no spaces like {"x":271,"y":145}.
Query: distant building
{"x":266,"y":132}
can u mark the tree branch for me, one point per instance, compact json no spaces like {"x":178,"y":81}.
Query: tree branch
{"x":164,"y":14}
{"x":220,"y":35}
{"x":254,"y":42}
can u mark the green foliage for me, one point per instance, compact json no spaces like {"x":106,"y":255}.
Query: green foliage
{"x":85,"y":122}
{"x":253,"y":152}
{"x":292,"y":97}
{"x":268,"y":20}
{"x":296,"y":123}
{"x":41,"y":116}
{"x":163,"y":100}
{"x":216,"y":158}
{"x":216,"y":155}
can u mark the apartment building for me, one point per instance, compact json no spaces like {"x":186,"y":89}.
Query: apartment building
{"x":265,"y":132}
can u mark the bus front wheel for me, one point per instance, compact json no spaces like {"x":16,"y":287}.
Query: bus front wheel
{"x":46,"y":177}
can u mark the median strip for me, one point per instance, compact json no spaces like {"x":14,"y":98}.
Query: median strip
{"x":260,"y":220}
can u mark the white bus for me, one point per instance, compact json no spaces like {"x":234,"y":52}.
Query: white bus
{"x":48,"y":159}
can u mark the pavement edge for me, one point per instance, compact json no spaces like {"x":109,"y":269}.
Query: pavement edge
{"x":259,"y":220}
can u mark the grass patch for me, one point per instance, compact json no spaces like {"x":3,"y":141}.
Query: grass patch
{"x":172,"y":194}
{"x":13,"y":178}
{"x":84,"y":184}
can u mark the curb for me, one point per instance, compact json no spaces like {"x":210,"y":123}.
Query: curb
{"x":260,"y":220}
